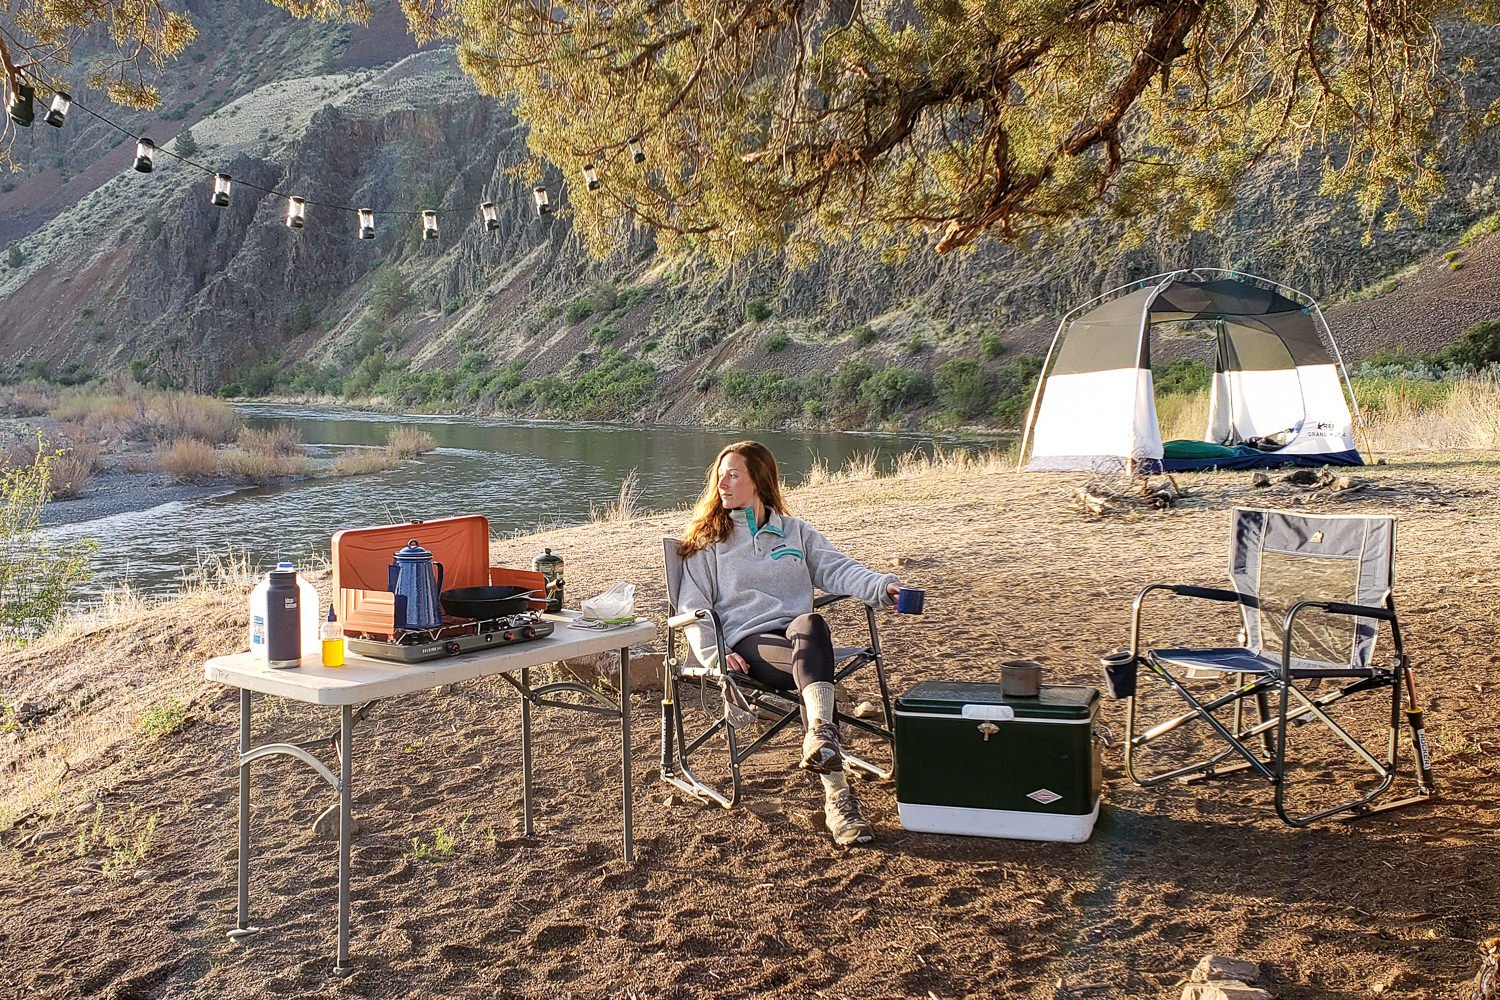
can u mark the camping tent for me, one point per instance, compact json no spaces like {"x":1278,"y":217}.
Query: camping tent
{"x":1277,"y":395}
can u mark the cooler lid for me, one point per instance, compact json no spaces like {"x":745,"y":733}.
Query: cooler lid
{"x":1057,"y":701}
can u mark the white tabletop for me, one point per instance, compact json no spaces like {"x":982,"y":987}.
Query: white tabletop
{"x":363,"y":679}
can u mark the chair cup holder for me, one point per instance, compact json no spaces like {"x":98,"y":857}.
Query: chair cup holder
{"x":1119,"y":673}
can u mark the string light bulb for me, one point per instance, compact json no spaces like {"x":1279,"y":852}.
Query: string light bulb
{"x":539,"y":196}
{"x":220,"y":197}
{"x":145,"y":149}
{"x":429,"y":225}
{"x":61,"y":102}
{"x":590,"y":177}
{"x":366,"y":223}
{"x":21,"y":109}
{"x":637,"y":151}
{"x":296,"y":212}
{"x":491,"y":216}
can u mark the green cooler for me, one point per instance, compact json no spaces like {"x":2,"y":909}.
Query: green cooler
{"x":974,"y":761}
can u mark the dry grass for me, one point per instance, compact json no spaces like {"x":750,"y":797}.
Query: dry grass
{"x":625,"y":506}
{"x":72,"y":470}
{"x":1468,"y":416}
{"x":1182,"y":416}
{"x":188,"y":460}
{"x":915,"y":463}
{"x":134,"y":413}
{"x":362,"y":462}
{"x":279,"y":441}
{"x":25,"y":400}
{"x":260,"y":466}
{"x":408,"y":442}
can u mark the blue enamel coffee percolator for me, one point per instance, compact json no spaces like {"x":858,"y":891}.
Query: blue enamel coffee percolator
{"x":418,"y":594}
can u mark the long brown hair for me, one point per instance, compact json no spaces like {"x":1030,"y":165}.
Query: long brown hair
{"x":711,"y":522}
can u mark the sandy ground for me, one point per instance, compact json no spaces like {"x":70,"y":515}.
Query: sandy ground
{"x":756,"y":901}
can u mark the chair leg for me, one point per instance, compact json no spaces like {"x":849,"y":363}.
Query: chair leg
{"x":675,"y":769}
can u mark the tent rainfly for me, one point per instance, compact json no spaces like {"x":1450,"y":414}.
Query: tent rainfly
{"x":1278,"y":390}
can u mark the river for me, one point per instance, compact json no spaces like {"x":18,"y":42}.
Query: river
{"x":522,"y":475}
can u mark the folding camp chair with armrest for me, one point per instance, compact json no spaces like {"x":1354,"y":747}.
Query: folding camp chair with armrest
{"x":742,"y":694}
{"x":1321,"y":584}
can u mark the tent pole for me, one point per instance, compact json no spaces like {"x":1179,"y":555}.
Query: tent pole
{"x":1359,"y":417}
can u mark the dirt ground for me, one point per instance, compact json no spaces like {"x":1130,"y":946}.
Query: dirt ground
{"x":119,"y":848}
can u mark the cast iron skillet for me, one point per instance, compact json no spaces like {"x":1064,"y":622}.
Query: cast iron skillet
{"x":486,"y":602}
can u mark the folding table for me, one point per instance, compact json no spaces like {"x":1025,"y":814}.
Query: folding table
{"x":363,"y":681}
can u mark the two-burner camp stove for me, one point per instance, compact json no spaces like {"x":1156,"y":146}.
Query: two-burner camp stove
{"x":454,"y":636}
{"x":460,"y":545}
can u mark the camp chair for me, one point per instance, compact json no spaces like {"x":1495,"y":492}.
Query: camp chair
{"x":744,"y":699}
{"x":1312,"y":591}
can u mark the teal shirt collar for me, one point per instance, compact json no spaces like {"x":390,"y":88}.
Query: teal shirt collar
{"x":774,"y":523}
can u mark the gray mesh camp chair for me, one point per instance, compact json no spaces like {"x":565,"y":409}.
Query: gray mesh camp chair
{"x":1312,"y":592}
{"x":742,"y":700}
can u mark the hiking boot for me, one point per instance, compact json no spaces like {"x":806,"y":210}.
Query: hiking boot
{"x":847,"y":824}
{"x":821,"y":753}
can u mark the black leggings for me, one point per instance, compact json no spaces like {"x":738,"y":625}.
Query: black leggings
{"x":802,"y":656}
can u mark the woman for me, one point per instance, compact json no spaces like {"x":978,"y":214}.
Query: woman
{"x":747,"y":559}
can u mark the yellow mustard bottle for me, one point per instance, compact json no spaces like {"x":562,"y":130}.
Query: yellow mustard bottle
{"x":333,"y":641}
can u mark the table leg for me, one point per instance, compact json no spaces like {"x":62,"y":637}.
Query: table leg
{"x":625,"y":746}
{"x":242,"y":915}
{"x":346,"y":767}
{"x":526,"y":752}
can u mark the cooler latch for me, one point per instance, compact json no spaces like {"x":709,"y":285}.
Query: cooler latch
{"x":988,"y":729}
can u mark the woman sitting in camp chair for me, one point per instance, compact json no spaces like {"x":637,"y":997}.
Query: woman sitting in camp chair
{"x":754,"y":565}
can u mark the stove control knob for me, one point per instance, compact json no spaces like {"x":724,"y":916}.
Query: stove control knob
{"x":452,"y":647}
{"x":528,"y":632}
{"x":510,"y":637}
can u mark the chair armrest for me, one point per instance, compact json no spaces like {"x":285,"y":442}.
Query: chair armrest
{"x":1334,"y":608}
{"x":827,"y":599}
{"x":1351,"y":610}
{"x":685,"y":619}
{"x":1181,"y":590}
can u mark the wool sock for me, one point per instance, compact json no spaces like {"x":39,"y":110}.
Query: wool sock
{"x":818,"y":697}
{"x":834,"y":783}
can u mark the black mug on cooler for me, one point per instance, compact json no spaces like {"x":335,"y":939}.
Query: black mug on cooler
{"x":909,"y":600}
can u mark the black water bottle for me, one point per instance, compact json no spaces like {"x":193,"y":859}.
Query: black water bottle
{"x":283,"y":620}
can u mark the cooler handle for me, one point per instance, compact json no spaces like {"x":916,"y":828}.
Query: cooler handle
{"x":996,"y":713}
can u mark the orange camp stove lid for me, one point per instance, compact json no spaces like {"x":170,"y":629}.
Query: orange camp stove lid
{"x":461,"y":545}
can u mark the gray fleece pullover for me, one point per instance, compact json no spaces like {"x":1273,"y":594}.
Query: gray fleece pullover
{"x":762,"y":576}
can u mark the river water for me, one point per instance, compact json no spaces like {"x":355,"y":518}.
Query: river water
{"x":520,"y":474}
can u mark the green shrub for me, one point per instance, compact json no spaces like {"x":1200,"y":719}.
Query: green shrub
{"x":963,"y":387}
{"x":36,"y":575}
{"x":757,"y":310}
{"x":579,"y":309}
{"x":777,"y":341}
{"x":163,"y":720}
{"x":850,"y":375}
{"x":390,"y":293}
{"x":863,"y":336}
{"x":891,"y":388}
{"x":1182,"y":376}
{"x":990,"y":346}
{"x":603,"y":334}
{"x":1015,"y":384}
{"x":1476,"y":347}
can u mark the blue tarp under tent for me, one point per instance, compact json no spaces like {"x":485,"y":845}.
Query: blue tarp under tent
{"x":1278,"y":396}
